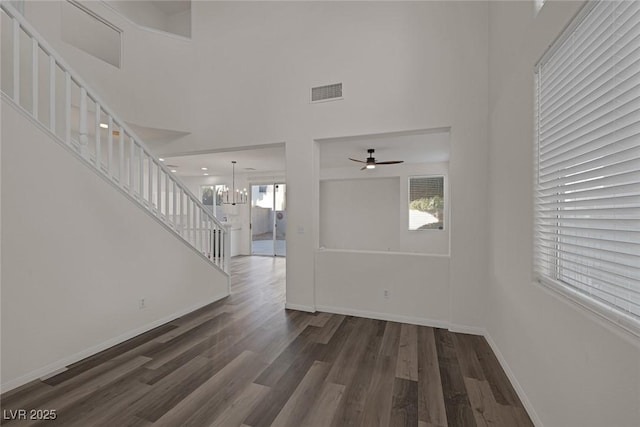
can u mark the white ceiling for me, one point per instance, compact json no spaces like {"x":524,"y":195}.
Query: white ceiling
{"x":155,"y":137}
{"x":270,"y":159}
{"x":426,"y":146}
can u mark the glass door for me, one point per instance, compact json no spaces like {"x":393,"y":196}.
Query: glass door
{"x":268,"y":219}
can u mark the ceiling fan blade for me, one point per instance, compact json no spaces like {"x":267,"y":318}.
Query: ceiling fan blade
{"x":363,"y":168}
{"x":359,"y":161}
{"x":391,"y":162}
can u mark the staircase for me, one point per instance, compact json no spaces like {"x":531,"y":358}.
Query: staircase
{"x":43,"y":87}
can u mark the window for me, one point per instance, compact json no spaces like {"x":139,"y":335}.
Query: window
{"x":208,"y":192}
{"x":426,"y":203}
{"x":212,"y":200}
{"x":587,"y":183}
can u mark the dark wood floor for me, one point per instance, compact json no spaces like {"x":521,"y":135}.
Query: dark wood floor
{"x":246,"y":361}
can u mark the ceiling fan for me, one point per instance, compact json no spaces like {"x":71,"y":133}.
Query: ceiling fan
{"x":371,"y":163}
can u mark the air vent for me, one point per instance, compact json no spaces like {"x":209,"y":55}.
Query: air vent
{"x":326,"y":93}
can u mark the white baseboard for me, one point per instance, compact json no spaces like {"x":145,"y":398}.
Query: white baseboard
{"x":464,"y":329}
{"x":514,"y":382}
{"x":53,"y":374}
{"x":60,"y":365}
{"x":299,"y":307}
{"x":384,"y":316}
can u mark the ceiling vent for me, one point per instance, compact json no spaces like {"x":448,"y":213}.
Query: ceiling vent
{"x":331,"y":92}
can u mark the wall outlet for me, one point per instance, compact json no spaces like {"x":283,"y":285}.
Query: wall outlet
{"x":142,"y":303}
{"x":385,"y":293}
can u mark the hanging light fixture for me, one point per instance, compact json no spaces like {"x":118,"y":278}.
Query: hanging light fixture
{"x":234,"y":196}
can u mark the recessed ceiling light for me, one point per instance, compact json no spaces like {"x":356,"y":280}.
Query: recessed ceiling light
{"x":173,"y":170}
{"x":161,"y":159}
{"x":104,"y":126}
{"x":205,"y":174}
{"x":204,"y":169}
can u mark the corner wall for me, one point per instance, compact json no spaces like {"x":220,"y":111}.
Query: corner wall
{"x":77,"y":256}
{"x":574,"y":369}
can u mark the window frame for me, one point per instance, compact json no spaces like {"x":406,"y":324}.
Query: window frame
{"x":610,"y":312}
{"x":445,"y":203}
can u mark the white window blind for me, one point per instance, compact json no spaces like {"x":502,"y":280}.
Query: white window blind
{"x":587,"y":189}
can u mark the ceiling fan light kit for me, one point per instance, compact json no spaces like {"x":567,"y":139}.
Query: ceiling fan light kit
{"x":371,"y":163}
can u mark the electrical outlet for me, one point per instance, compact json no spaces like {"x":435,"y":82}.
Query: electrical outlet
{"x":142,"y":303}
{"x":386,"y":293}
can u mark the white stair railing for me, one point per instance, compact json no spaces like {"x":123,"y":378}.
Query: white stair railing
{"x":78,"y":119}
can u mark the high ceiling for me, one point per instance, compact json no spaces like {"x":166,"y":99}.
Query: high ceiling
{"x":156,"y":137}
{"x":423,"y":146}
{"x":270,"y":159}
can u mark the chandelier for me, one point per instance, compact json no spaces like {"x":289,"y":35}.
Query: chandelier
{"x":234,"y":196}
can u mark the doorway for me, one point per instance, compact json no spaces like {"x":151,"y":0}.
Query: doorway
{"x":268,"y":219}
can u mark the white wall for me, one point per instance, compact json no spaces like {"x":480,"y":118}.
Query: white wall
{"x":244,"y":80}
{"x":394,"y":214}
{"x":180,"y":23}
{"x":365,"y":248}
{"x":360,"y":214}
{"x":353,"y":282}
{"x":142,"y":13}
{"x":148,"y":89}
{"x":575,"y":371}
{"x":147,"y":14}
{"x":104,"y":41}
{"x":76,"y":258}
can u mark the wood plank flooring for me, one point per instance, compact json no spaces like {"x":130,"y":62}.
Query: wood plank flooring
{"x":245,"y":361}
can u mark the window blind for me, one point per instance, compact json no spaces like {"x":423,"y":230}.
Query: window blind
{"x":587,"y":151}
{"x":421,"y":187}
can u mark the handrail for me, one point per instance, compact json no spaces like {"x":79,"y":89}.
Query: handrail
{"x":136,"y":170}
